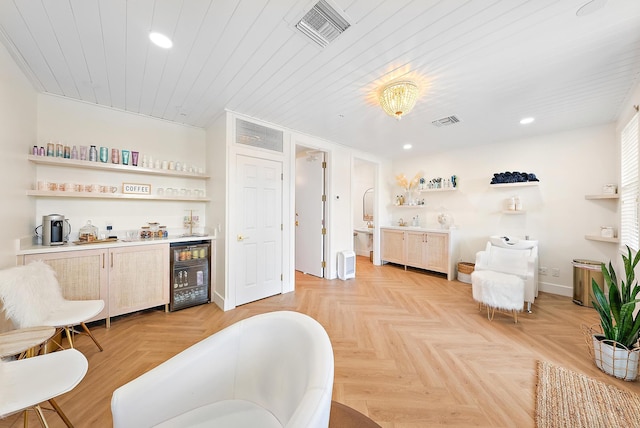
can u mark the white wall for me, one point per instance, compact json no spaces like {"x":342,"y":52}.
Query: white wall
{"x":216,"y":160}
{"x":76,"y":123}
{"x":569,"y":166}
{"x":17,"y":135}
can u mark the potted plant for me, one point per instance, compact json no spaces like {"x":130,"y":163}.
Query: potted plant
{"x":617,"y":350}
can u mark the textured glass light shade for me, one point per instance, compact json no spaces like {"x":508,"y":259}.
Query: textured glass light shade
{"x":397,"y":99}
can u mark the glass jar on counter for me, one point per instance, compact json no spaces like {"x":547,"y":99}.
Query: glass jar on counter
{"x":88,"y":232}
{"x":153,"y":227}
{"x":162,"y":232}
{"x":145,"y":232}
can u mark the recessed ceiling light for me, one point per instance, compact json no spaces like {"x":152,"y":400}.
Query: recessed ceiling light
{"x":407,"y":146}
{"x":161,"y":40}
{"x":526,"y":120}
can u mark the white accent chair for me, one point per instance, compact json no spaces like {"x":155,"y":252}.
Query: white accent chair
{"x":31,"y":297}
{"x":514,"y":257}
{"x":26,"y":383}
{"x":270,"y":370}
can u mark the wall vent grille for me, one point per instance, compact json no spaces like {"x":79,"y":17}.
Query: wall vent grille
{"x":252,"y":134}
{"x":446,"y":121}
{"x":323,"y":23}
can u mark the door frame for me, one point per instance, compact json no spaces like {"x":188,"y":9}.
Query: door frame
{"x":324,"y":206}
{"x":231,"y":200}
{"x":299,"y":140}
{"x":376,"y":204}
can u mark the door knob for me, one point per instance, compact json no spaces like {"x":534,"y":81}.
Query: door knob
{"x":242,"y":238}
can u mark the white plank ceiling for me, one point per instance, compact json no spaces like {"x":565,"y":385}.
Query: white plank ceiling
{"x":490,"y":63}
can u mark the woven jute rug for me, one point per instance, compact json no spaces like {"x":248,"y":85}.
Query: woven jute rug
{"x":569,"y":399}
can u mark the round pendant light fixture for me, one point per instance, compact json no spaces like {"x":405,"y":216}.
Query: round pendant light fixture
{"x":398,"y":98}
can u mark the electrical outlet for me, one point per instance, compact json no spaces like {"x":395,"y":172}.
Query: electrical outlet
{"x":555,"y":272}
{"x":542,"y":270}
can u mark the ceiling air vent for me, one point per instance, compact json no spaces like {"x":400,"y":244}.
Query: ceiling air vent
{"x":323,"y":23}
{"x":446,"y":121}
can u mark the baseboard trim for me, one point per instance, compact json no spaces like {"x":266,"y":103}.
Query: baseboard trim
{"x":561,"y":290}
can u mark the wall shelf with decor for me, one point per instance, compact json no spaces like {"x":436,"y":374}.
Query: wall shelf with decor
{"x":601,"y":239}
{"x":513,"y":212}
{"x":441,"y":189}
{"x":603,"y":196}
{"x":520,"y":184}
{"x":98,"y":195}
{"x":609,"y":195}
{"x":179,"y":195}
{"x":409,"y":206}
{"x":74,"y":163}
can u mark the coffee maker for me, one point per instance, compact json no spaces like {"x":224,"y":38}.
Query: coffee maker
{"x":55,"y":229}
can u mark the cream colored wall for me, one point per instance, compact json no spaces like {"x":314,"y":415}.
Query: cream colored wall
{"x":569,"y":166}
{"x":216,"y":160}
{"x":18,"y":117}
{"x":76,"y":123}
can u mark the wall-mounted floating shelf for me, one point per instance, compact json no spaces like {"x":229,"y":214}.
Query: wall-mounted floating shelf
{"x":97,"y":195}
{"x":602,"y":239}
{"x":441,"y":189}
{"x":603,"y":196}
{"x":513,"y":212}
{"x":74,"y":163}
{"x":519,"y":184}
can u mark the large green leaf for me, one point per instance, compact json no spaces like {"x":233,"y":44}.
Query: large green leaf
{"x":615,"y":301}
{"x":627,"y":330}
{"x":602,"y":306}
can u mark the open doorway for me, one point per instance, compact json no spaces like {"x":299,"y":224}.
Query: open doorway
{"x":310,"y":206}
{"x":363,"y":203}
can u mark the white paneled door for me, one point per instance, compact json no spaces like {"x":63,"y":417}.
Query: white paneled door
{"x":258,"y":249}
{"x":310,"y":214}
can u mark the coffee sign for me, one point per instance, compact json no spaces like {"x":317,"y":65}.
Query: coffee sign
{"x":136,"y":189}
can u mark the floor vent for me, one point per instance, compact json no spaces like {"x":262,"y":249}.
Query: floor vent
{"x":323,"y":23}
{"x":346,"y":264}
{"x":446,"y":121}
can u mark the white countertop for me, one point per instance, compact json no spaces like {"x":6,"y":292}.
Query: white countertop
{"x":37,"y":249}
{"x":437,"y":229}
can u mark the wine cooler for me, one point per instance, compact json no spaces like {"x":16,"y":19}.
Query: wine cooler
{"x":190,"y":274}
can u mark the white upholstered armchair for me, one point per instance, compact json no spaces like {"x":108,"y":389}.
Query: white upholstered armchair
{"x":270,"y":370}
{"x":515,"y":257}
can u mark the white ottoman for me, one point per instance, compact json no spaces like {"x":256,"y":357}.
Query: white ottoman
{"x":498,"y":290}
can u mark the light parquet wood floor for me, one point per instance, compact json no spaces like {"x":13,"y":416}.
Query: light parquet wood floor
{"x":411,"y":349}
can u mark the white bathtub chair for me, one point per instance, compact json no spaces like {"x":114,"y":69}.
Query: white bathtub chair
{"x":514,"y":257}
{"x":270,"y":370}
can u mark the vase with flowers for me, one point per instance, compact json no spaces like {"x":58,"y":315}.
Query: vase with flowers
{"x":410,"y":187}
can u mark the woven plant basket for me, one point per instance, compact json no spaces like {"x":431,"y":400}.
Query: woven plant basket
{"x":611,"y":357}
